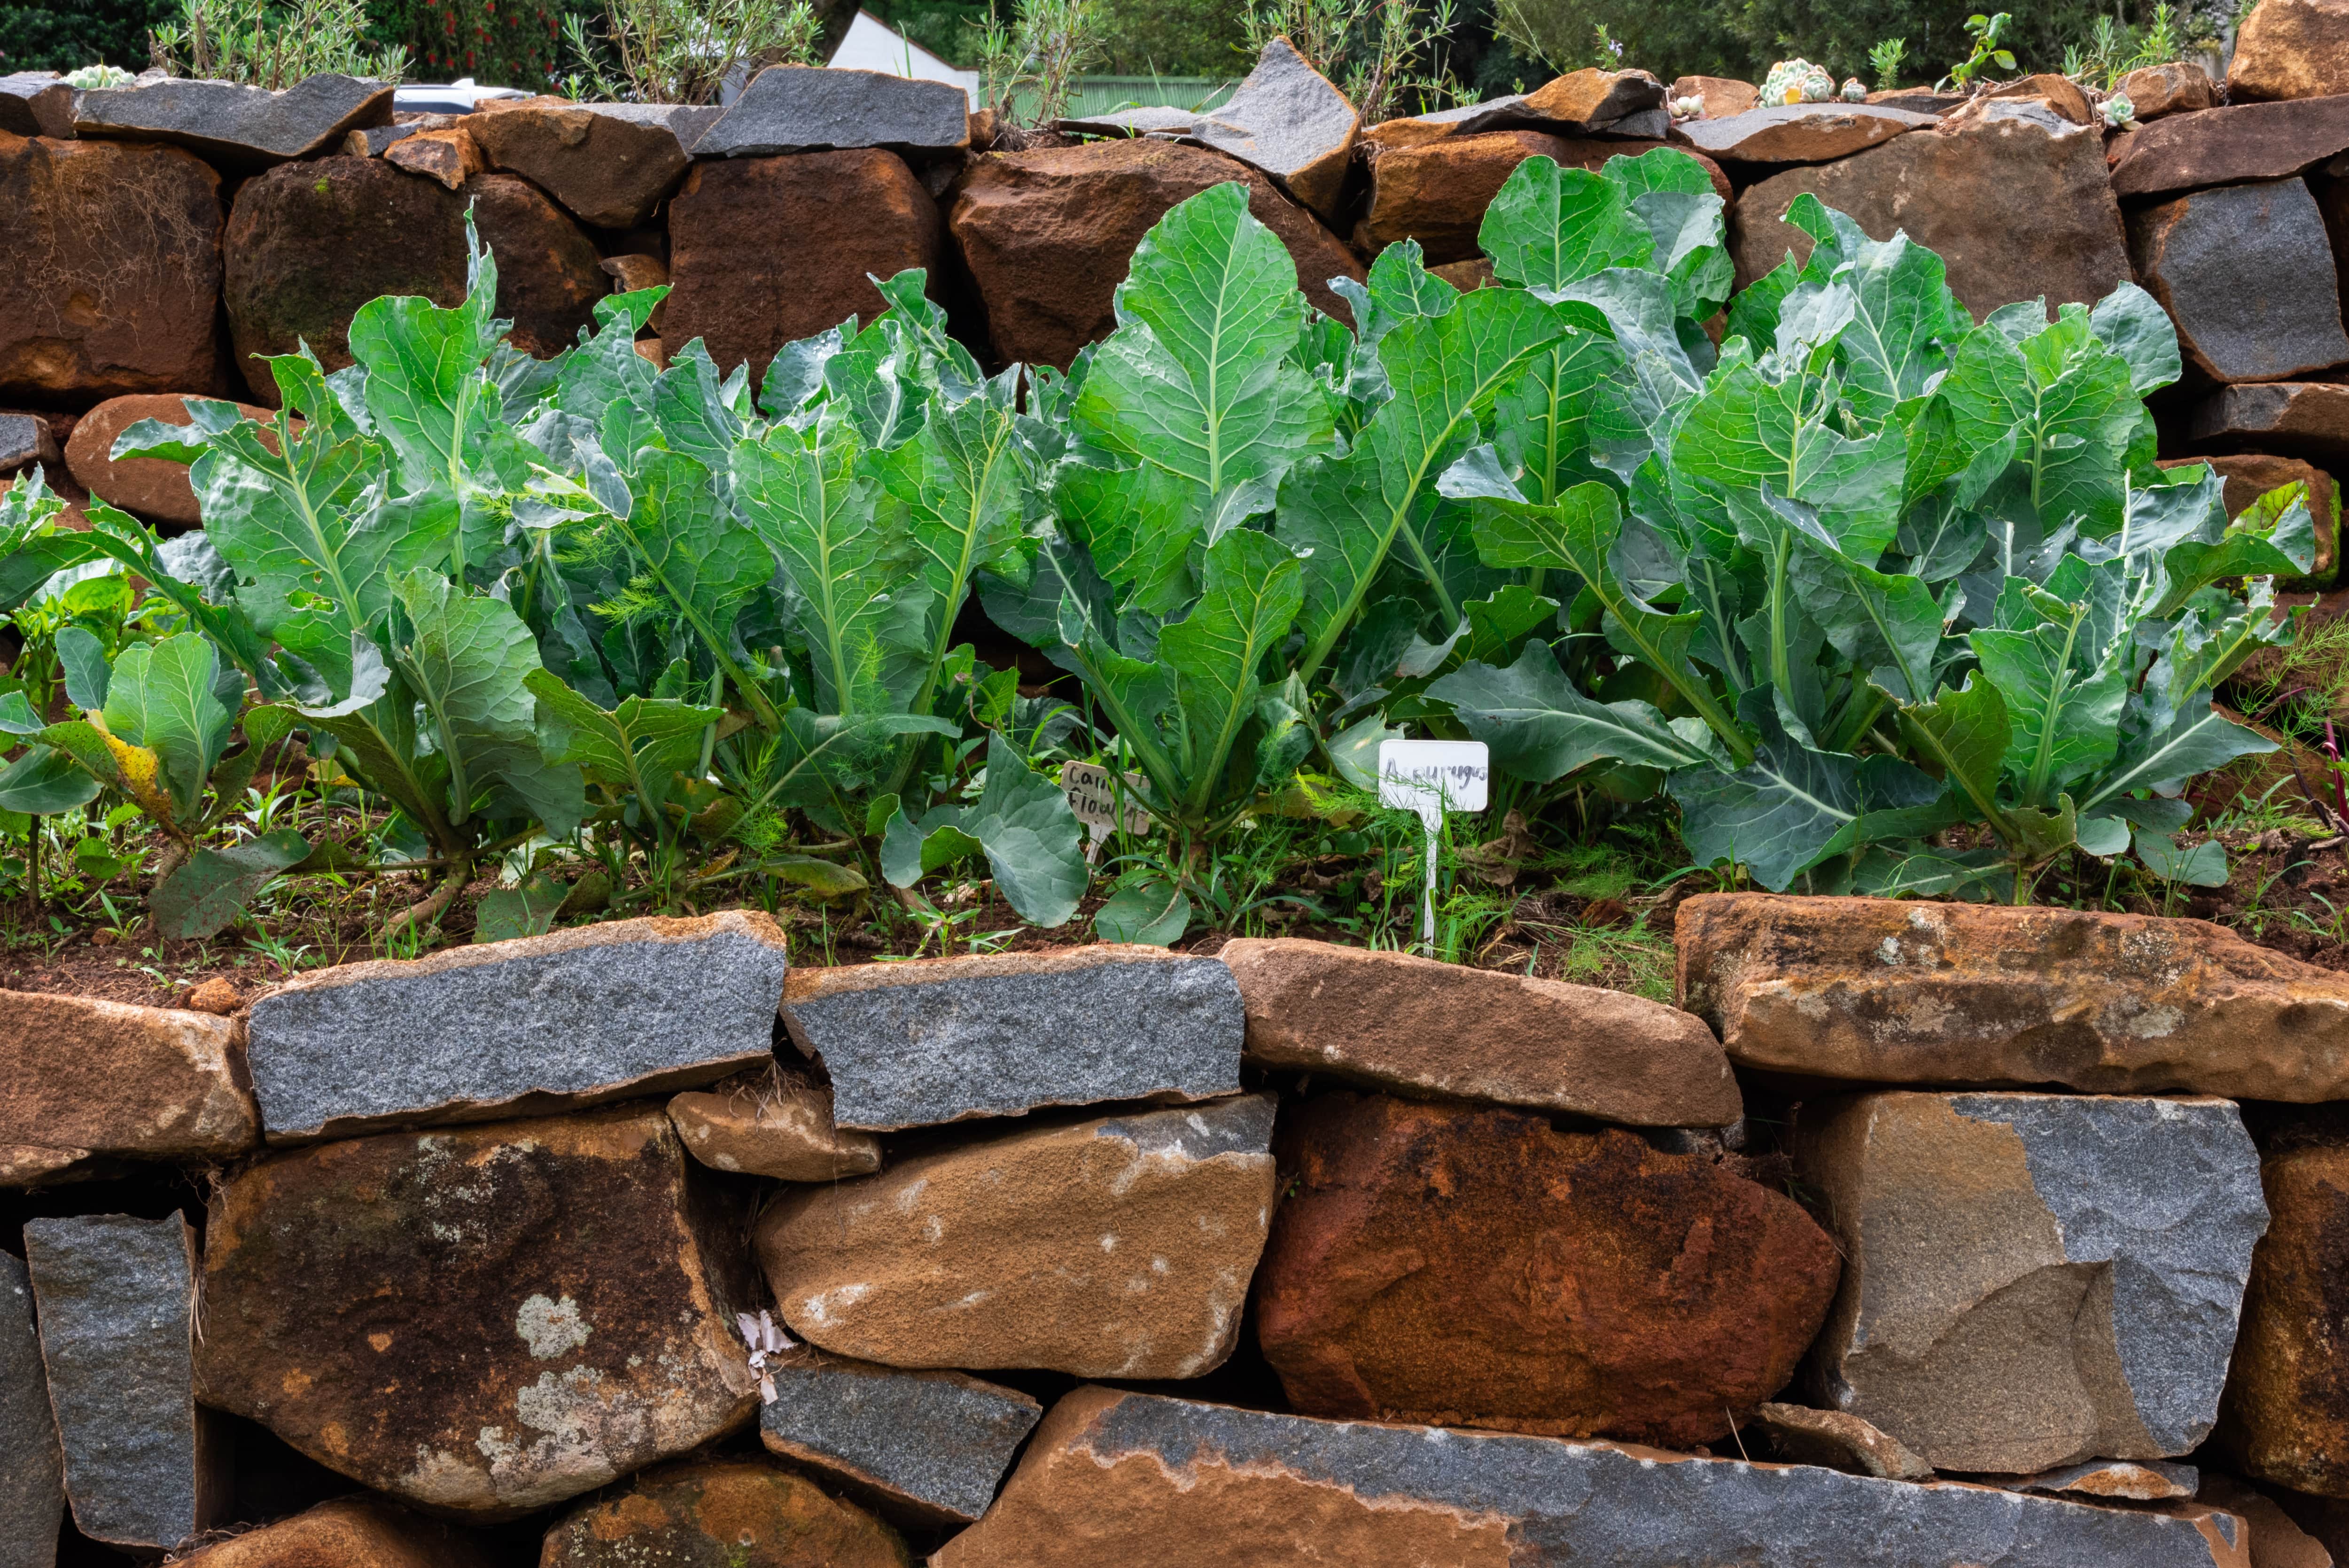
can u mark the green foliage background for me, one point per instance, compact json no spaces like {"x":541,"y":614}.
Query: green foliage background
{"x":86,"y":32}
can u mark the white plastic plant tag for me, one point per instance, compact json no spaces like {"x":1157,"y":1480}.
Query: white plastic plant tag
{"x":1092,"y":793}
{"x":1431,"y":778}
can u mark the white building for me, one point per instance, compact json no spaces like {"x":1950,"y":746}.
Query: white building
{"x":872,"y":45}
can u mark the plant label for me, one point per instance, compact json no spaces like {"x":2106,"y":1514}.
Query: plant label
{"x":1093,"y":795}
{"x":1433,"y":775}
{"x":1431,"y":778}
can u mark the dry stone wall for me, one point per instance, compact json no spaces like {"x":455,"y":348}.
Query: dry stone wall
{"x":1915,"y":1235}
{"x":167,"y":234}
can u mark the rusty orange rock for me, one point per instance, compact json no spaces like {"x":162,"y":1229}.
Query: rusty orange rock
{"x":760,"y":1125}
{"x":1468,"y":1267}
{"x":482,"y":1320}
{"x":153,"y":488}
{"x":1891,"y":992}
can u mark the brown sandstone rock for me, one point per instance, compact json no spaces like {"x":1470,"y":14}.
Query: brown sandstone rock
{"x":1890,"y":991}
{"x":1119,"y":1247}
{"x":1797,"y":133}
{"x":765,"y":1125}
{"x":1468,"y":1267}
{"x":765,"y":250}
{"x":111,"y":256}
{"x":153,"y":489}
{"x":1417,"y":1026}
{"x":2157,"y":92}
{"x":1839,"y":1441}
{"x":1466,"y":276}
{"x":349,"y":1532}
{"x":2286,"y":1419}
{"x":1436,"y":192}
{"x":217,"y":995}
{"x":1956,"y":192}
{"x":722,"y":1514}
{"x":2304,"y":419}
{"x":481,"y":1320}
{"x":84,"y":1079}
{"x":2291,"y":49}
{"x":308,"y":244}
{"x":2113,"y":1480}
{"x":1723,"y":96}
{"x":450,"y":155}
{"x":609,"y":164}
{"x":2059,"y":93}
{"x":2224,"y":145}
{"x":1048,"y":235}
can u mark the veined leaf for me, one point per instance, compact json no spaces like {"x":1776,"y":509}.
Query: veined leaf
{"x":1034,"y":843}
{"x":2161,"y":756}
{"x":808,"y":496}
{"x":46,"y":780}
{"x":635,"y":750}
{"x":1197,"y":380}
{"x":1250,"y":593}
{"x":1549,"y":227}
{"x":1539,"y":728}
{"x":211,"y":887}
{"x":2065,"y":706}
{"x":963,"y":487}
{"x":1346,"y":513}
{"x":704,"y":564}
{"x":162,"y":699}
{"x":467,"y":659}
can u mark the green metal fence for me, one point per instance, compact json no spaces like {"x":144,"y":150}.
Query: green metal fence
{"x":1100,"y":95}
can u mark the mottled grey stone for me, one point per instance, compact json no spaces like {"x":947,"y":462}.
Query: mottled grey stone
{"x":1288,"y":119}
{"x":527,"y":1028}
{"x":116,"y":1297}
{"x":2295,"y":418}
{"x":807,"y":108}
{"x":32,"y":1469}
{"x":927,"y":1447}
{"x":239,"y":126}
{"x":2034,"y":1280}
{"x":25,"y":439}
{"x":1360,"y":1492}
{"x":36,"y":103}
{"x":912,"y":1044}
{"x":2247,"y":274}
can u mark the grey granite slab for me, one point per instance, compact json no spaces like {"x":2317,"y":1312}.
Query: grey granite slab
{"x":241,"y":126}
{"x":929,"y":1447}
{"x":806,"y":108}
{"x":116,"y":1297}
{"x":32,"y":1467}
{"x":526,"y":1028}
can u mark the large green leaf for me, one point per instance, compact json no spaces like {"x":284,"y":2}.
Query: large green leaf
{"x":635,"y":750}
{"x":1963,"y":735}
{"x":697,"y":562}
{"x":964,"y":489}
{"x":1538,"y":726}
{"x":161,"y":697}
{"x":2063,"y":696}
{"x":433,"y":403}
{"x":1251,"y":592}
{"x":45,"y":780}
{"x":806,"y":493}
{"x":1345,"y":514}
{"x":1034,"y":843}
{"x":2067,"y":401}
{"x":1745,"y":432}
{"x":1549,"y":227}
{"x":1197,"y":381}
{"x":467,"y":659}
{"x":2162,"y":756}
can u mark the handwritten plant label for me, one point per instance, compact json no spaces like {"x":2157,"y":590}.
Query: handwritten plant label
{"x":1439,"y":775}
{"x":1431,"y":778}
{"x":1093,"y":796}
